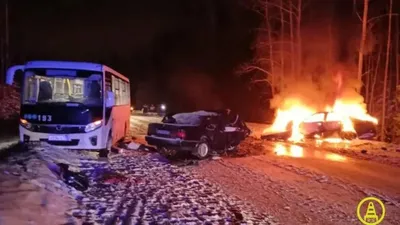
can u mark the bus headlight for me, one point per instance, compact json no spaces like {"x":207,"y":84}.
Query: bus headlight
{"x":25,"y":124}
{"x":93,"y":126}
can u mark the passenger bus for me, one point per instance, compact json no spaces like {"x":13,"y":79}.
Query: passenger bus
{"x":75,"y":105}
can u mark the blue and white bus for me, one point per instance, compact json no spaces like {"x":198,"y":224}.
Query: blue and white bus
{"x":75,"y":105}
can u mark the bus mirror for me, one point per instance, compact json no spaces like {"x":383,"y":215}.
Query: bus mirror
{"x":11,"y":73}
{"x":110,"y":101}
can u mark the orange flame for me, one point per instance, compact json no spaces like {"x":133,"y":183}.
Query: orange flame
{"x":297,"y":112}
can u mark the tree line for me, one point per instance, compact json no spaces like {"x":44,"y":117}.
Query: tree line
{"x":301,"y":44}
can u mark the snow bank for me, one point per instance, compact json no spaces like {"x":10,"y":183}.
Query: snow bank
{"x":193,"y":118}
{"x":8,"y":142}
{"x":31,"y":193}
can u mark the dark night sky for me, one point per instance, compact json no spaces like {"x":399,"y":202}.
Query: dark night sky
{"x":151,"y":40}
{"x":141,"y":39}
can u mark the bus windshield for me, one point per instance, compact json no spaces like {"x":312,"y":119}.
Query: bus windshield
{"x":55,"y":86}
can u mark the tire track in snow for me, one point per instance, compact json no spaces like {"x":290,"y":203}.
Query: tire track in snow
{"x":160,"y":193}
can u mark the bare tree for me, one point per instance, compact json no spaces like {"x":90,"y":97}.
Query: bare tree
{"x":282,"y":55}
{"x":362,"y":42}
{"x":278,"y":52}
{"x":397,"y":60}
{"x":271,"y":50}
{"x":367,"y":85}
{"x":299,"y":46}
{"x":383,"y":133}
{"x":292,"y":40}
{"x":374,"y":78}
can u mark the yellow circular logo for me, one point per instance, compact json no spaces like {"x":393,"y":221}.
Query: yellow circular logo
{"x":368,"y":212}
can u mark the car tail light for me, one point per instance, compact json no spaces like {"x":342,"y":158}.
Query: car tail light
{"x":181,"y":134}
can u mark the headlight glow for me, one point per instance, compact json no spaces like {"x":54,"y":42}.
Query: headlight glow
{"x":93,"y":126}
{"x":25,"y":124}
{"x":163,"y":107}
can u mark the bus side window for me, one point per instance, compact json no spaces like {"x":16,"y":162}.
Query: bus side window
{"x":108,"y":78}
{"x":115,"y":89}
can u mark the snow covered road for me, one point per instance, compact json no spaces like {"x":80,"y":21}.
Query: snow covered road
{"x":273,"y":182}
{"x":309,"y":184}
{"x":306,"y":185}
{"x":149,"y":190}
{"x":134,"y":187}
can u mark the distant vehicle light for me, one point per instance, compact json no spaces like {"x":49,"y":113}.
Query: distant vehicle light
{"x":163,"y":107}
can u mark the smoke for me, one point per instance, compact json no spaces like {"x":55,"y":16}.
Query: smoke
{"x":319,"y":92}
{"x":194,"y":91}
{"x":328,"y":71}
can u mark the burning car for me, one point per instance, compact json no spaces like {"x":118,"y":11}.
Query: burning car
{"x":327,"y":124}
{"x":198,"y":132}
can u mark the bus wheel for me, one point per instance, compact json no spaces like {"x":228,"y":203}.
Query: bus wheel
{"x":103,"y":153}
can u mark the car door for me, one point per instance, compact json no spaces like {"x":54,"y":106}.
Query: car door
{"x":214,"y":130}
{"x":235,"y":131}
{"x":313,"y":124}
{"x":333,"y":122}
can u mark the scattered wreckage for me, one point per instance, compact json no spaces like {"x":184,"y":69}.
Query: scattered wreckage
{"x":324,"y":125}
{"x":199,"y":133}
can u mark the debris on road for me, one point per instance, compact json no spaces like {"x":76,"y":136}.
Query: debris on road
{"x":280,"y":136}
{"x":74,"y":179}
{"x":364,"y":151}
{"x":133,"y":146}
{"x":216,"y":158}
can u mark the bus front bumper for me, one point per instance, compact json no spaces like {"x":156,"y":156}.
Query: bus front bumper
{"x":91,"y":140}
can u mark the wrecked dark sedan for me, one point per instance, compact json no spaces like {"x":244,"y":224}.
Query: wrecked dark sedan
{"x":199,"y":132}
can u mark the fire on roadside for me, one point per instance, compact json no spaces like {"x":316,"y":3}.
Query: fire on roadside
{"x":297,"y":112}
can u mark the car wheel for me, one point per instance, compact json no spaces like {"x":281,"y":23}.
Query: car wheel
{"x":202,"y":149}
{"x":348,"y":135}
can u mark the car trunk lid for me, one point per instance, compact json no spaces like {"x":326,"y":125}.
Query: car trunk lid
{"x":167,"y":130}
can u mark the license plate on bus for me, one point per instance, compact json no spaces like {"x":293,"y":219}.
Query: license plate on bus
{"x":163,"y":132}
{"x":58,"y":138}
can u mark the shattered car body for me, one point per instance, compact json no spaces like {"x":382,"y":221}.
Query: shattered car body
{"x":198,"y":132}
{"x":326,"y":124}
{"x":322,"y":124}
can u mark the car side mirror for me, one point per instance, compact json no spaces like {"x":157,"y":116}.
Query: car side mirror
{"x":110,"y":101}
{"x":11,"y":73}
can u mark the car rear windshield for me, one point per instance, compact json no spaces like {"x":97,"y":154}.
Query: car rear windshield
{"x":193,"y":118}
